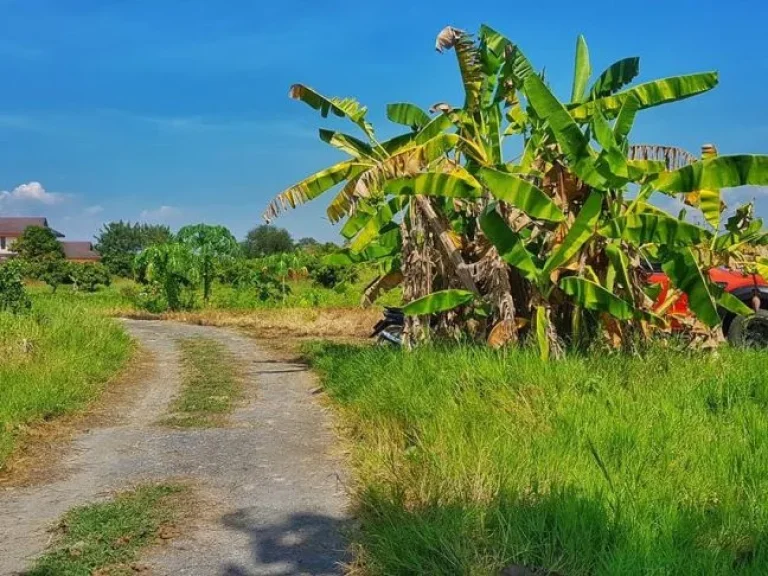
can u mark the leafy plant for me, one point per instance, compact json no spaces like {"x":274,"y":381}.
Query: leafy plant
{"x":37,"y":244}
{"x":53,"y":272}
{"x":552,"y":238}
{"x":89,"y":276}
{"x":120,"y":242}
{"x":172,"y":268}
{"x":13,"y":297}
{"x":265,"y":240}
{"x":211,"y":245}
{"x":332,"y":275}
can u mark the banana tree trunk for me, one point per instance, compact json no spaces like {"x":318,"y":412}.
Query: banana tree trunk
{"x":417,"y":273}
{"x":446,"y":246}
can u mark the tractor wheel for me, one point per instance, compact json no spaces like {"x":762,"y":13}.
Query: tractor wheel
{"x":749,"y":331}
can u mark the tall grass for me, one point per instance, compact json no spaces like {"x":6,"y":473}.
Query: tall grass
{"x":468,"y":461}
{"x":121,"y":297}
{"x":53,"y":361}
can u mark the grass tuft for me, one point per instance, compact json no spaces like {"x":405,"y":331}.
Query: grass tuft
{"x":210,"y":384}
{"x":469,"y":460}
{"x":105,"y":538}
{"x":53,"y":361}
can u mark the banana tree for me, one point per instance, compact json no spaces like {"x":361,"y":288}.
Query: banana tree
{"x":211,"y":245}
{"x":172,"y":267}
{"x":553,"y":236}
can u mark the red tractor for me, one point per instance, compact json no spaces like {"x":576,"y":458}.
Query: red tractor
{"x":751,"y":289}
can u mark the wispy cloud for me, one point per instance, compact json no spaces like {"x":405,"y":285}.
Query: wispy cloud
{"x":161,"y":215}
{"x":30,"y":193}
{"x":93,"y":210}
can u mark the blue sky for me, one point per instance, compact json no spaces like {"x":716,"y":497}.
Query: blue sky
{"x":177,"y":111}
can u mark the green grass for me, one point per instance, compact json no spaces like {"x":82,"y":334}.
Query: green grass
{"x":106,"y":537}
{"x":210,"y":384}
{"x":110,"y":300}
{"x":301,"y":293}
{"x":469,"y":460}
{"x":53,"y":361}
{"x":120,"y":297}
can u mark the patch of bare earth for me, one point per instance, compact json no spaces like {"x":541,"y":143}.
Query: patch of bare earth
{"x":274,"y":498}
{"x":276,"y":323}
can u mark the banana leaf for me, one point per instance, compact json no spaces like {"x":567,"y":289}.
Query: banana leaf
{"x":616,"y":76}
{"x":436,"y":302}
{"x":567,"y":133}
{"x":729,"y":302}
{"x":342,"y":107}
{"x":357,"y":220}
{"x":509,"y":244}
{"x":613,"y":156}
{"x":492,"y":117}
{"x":651,"y":228}
{"x":626,"y":119}
{"x":582,"y":70}
{"x":541,"y":332}
{"x":313,"y":186}
{"x":457,"y":184}
{"x":592,"y":296}
{"x":517,"y":68}
{"x":521,"y":194}
{"x":346,"y":143}
{"x":437,"y":125}
{"x":619,"y":264}
{"x":710,"y":205}
{"x":685,"y":275}
{"x":649,"y":94}
{"x":407,"y":114}
{"x":383,"y":216}
{"x":716,"y":173}
{"x":581,"y":231}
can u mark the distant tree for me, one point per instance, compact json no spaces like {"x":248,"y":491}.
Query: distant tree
{"x":265,"y":240}
{"x":120,"y":242}
{"x":151,"y":234}
{"x":211,"y":245}
{"x":307,"y":242}
{"x":38,"y":244}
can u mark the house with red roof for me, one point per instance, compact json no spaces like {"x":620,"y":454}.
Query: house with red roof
{"x":13,"y":227}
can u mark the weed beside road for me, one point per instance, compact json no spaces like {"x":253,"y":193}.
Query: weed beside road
{"x":54,"y":360}
{"x":467,"y":460}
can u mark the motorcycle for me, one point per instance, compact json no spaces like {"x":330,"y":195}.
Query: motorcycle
{"x":389,"y":330}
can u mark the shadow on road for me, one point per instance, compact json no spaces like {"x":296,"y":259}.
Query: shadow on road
{"x":302,"y":544}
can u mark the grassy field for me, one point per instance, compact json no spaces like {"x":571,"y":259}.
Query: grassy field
{"x":120,"y":297}
{"x":105,"y":538}
{"x":210,"y":384}
{"x":53,"y":361}
{"x":467,"y":461}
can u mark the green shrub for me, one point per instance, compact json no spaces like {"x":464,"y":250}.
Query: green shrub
{"x":88,"y":277}
{"x":13,"y":297}
{"x":332,"y":275}
{"x":53,"y":272}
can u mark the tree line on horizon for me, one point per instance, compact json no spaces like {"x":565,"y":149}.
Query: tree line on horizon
{"x":121,"y":241}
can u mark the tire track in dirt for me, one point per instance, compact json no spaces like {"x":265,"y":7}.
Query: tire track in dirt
{"x":274,"y":497}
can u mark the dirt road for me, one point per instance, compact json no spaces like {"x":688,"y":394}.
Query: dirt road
{"x":272,"y":496}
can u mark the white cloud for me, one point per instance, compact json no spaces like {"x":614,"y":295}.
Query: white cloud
{"x":30,"y":193}
{"x":164,"y":214}
{"x":93,"y":210}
